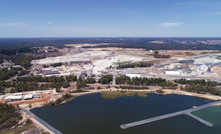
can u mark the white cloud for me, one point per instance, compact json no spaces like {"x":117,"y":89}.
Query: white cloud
{"x":49,"y":22}
{"x":171,"y":24}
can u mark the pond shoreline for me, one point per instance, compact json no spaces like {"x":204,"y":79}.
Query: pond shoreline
{"x":124,"y":92}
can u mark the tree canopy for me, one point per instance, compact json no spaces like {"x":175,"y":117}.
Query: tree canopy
{"x":8,"y":116}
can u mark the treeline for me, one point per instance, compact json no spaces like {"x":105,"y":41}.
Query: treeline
{"x":197,"y":82}
{"x":201,"y":89}
{"x":145,"y":82}
{"x":31,"y":83}
{"x":4,"y":85}
{"x":6,"y":50}
{"x":28,"y":86}
{"x":56,"y":64}
{"x":199,"y":86}
{"x":6,"y":73}
{"x":1,"y":58}
{"x":210,"y":52}
{"x":17,"y":54}
{"x":134,"y":87}
{"x":24,"y":61}
{"x":189,"y":54}
{"x":133,"y":65}
{"x":47,"y":79}
{"x":90,"y":80}
{"x":23,"y":72}
{"x":106,"y":79}
{"x":9,"y":117}
{"x":161,"y":56}
{"x":82,"y":83}
{"x":169,"y":44}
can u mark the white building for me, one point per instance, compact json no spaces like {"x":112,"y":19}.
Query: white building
{"x":133,"y":75}
{"x":37,"y":96}
{"x":172,"y":72}
{"x":12,"y":98}
{"x":28,"y":97}
{"x":50,"y":71}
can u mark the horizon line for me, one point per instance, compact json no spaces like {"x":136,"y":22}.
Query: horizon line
{"x":108,"y":37}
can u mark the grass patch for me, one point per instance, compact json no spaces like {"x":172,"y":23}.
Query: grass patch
{"x":141,"y":94}
{"x":78,"y":91}
{"x":69,"y":99}
{"x":118,"y":94}
{"x":204,"y":53}
{"x":214,"y":52}
{"x":178,"y":53}
{"x":189,"y":54}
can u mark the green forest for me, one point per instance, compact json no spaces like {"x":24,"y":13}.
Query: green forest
{"x":199,"y":86}
{"x":161,"y":56}
{"x":106,"y":79}
{"x":197,"y":82}
{"x":6,"y":73}
{"x":133,"y":65}
{"x":8,"y":116}
{"x":37,"y":83}
{"x":145,"y":82}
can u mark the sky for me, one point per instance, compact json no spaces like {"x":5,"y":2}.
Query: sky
{"x":110,"y":18}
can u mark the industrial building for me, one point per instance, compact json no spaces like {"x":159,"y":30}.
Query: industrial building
{"x":133,"y":75}
{"x":28,"y":97}
{"x":172,"y":72}
{"x":20,"y":97}
{"x":49,"y":71}
{"x":13,"y":98}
